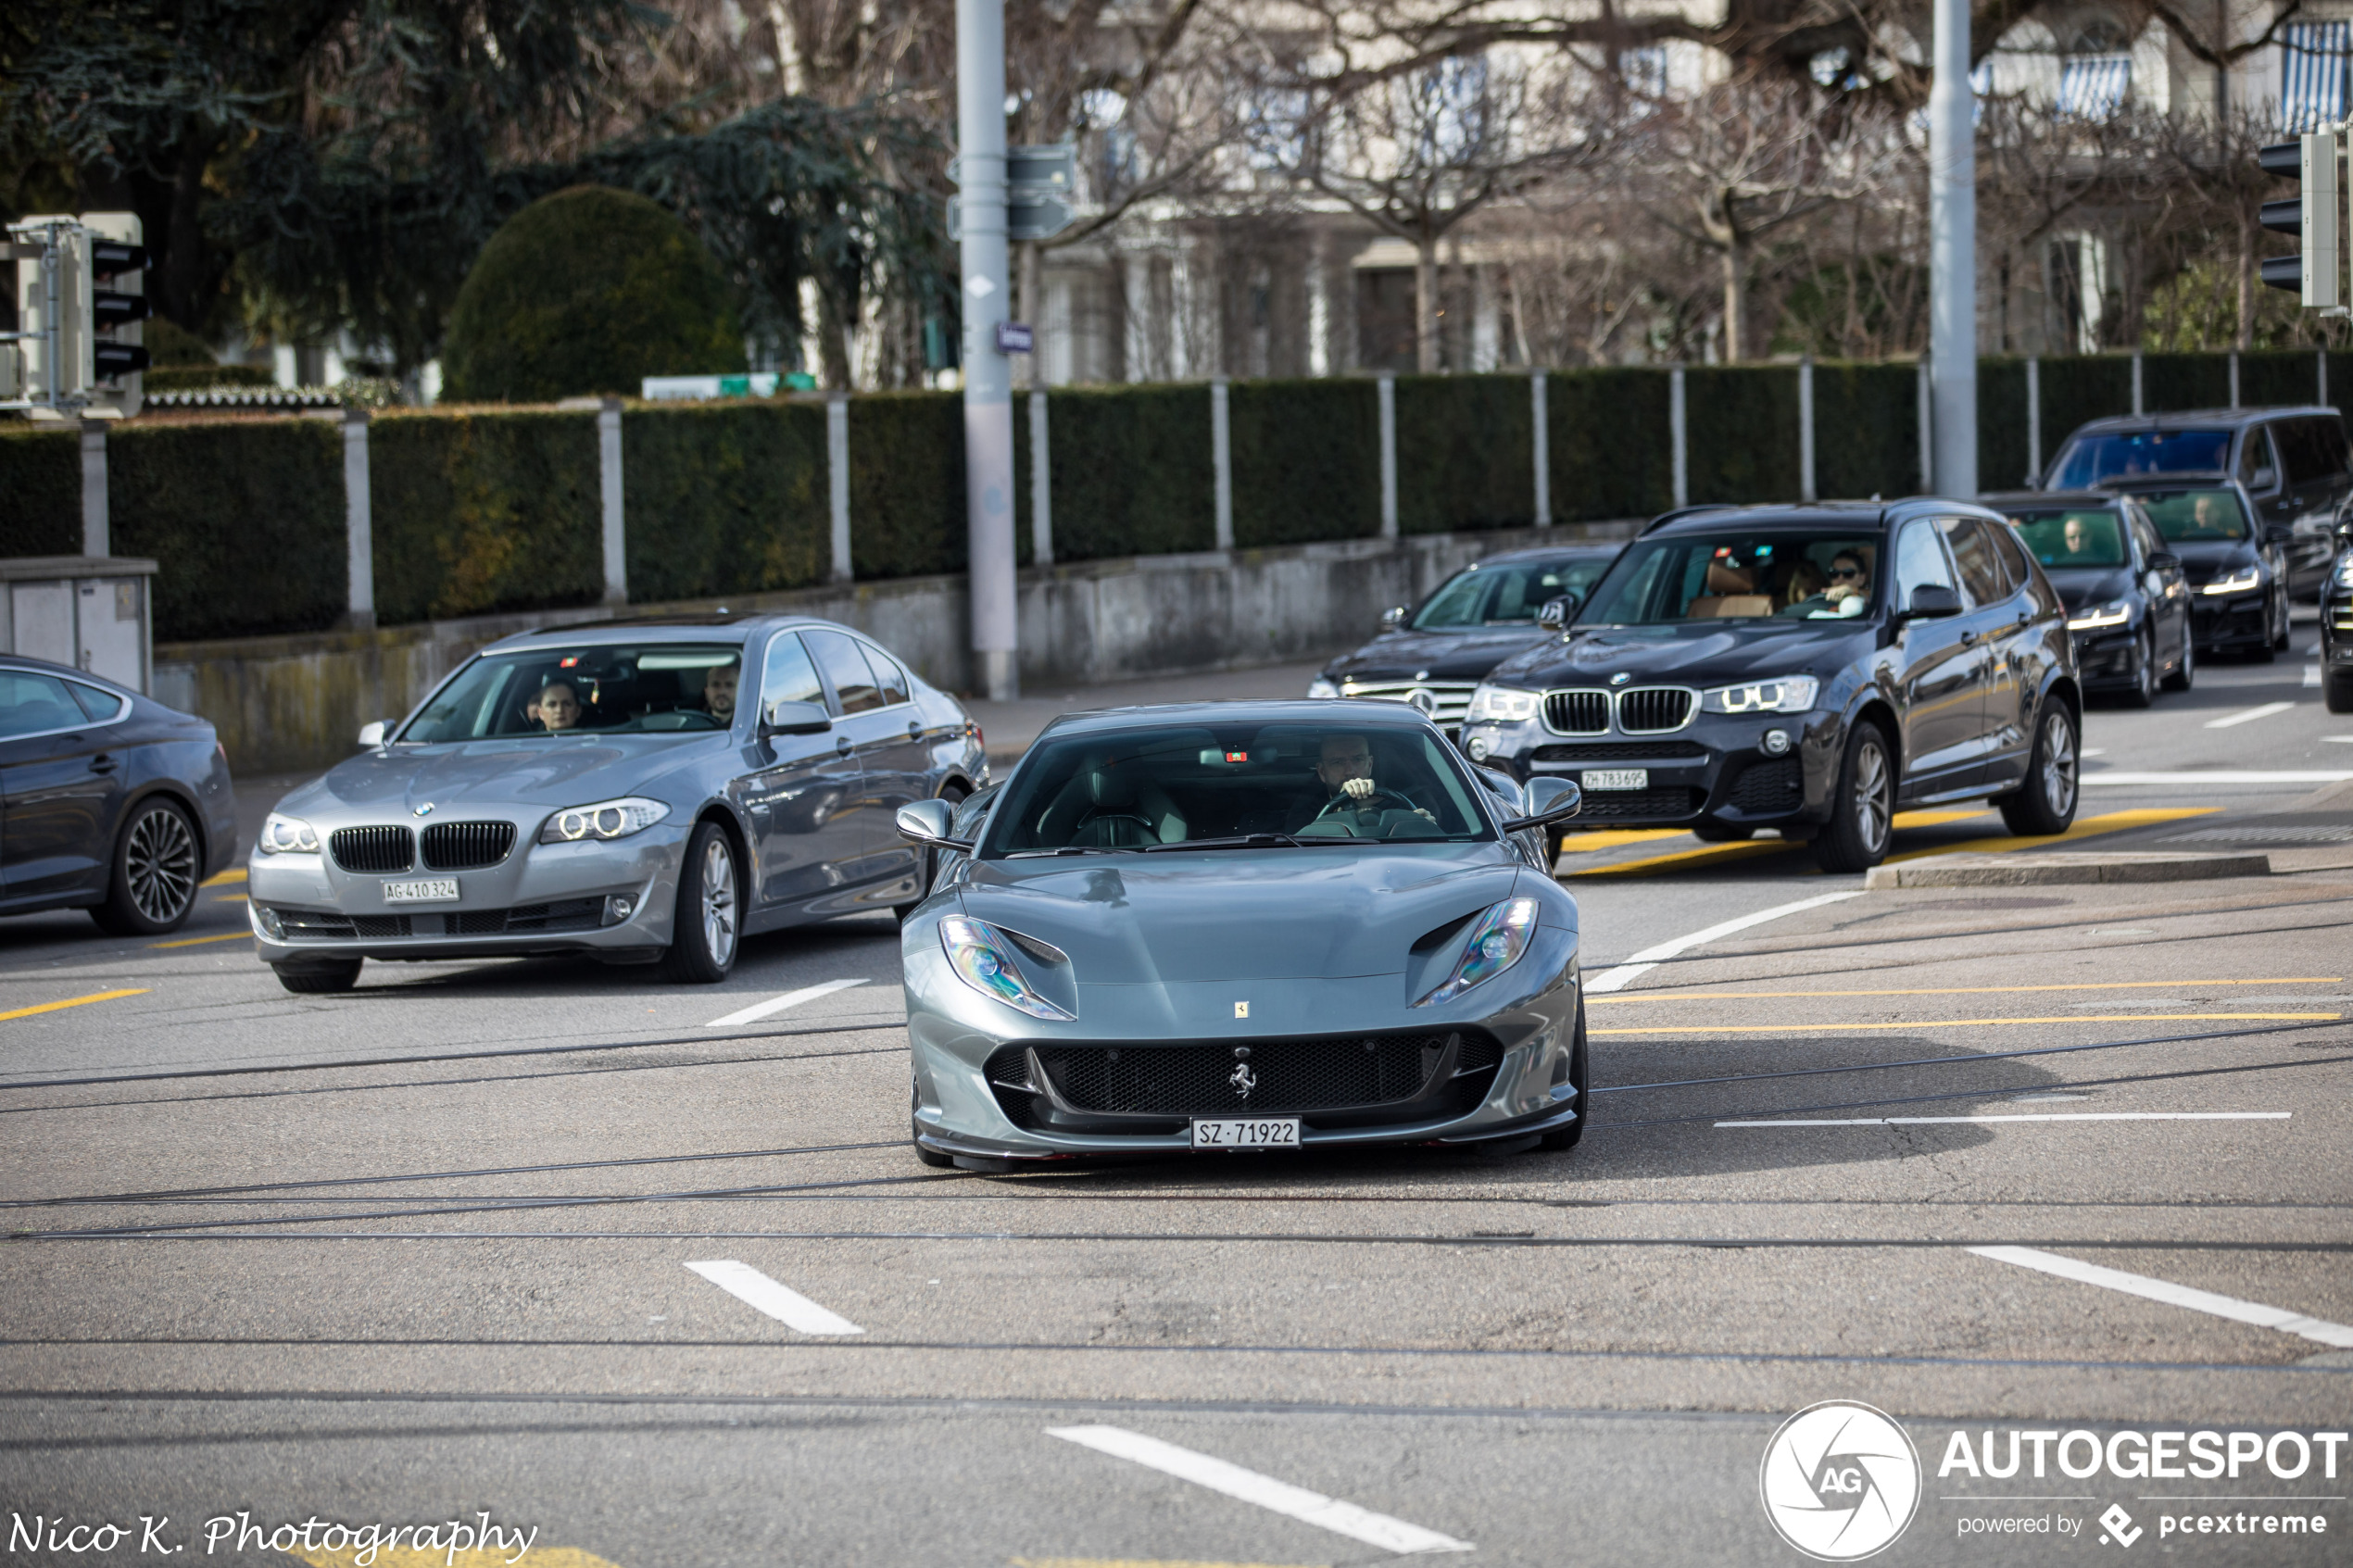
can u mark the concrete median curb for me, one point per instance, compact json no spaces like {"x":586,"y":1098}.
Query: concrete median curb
{"x":2042,"y":870}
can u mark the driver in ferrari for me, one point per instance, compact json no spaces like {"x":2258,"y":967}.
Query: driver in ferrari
{"x":1344,"y":767}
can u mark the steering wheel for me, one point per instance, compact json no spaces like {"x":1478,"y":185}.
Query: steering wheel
{"x":1396,"y":802}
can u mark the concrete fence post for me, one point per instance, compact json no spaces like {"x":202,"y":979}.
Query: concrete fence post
{"x":1679,"y":437}
{"x":616,"y":541}
{"x":1221,"y":459}
{"x":838,"y":480}
{"x":1541,"y":441}
{"x":359,"y":519}
{"x":1927,"y":400}
{"x":1805,"y":429}
{"x":2034,"y":418}
{"x":2234,"y":378}
{"x":2137,"y":400}
{"x":96,"y":534}
{"x":1042,"y":485}
{"x":1387,"y":386}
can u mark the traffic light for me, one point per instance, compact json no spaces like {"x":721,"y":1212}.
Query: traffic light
{"x":76,"y":342}
{"x":2315,"y":215}
{"x":112,"y":254}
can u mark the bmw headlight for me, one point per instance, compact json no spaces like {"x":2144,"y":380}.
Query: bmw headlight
{"x":1500,"y":705}
{"x":2246,"y":580}
{"x":984,"y":962}
{"x":287,"y":835}
{"x":2116,"y":613}
{"x":1496,"y":941}
{"x":1787,"y":694}
{"x":1319,"y":687}
{"x":2344,"y":572}
{"x":604,"y":822}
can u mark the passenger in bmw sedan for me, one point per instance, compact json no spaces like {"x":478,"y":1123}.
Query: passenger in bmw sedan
{"x":719,"y":691}
{"x":555,"y":708}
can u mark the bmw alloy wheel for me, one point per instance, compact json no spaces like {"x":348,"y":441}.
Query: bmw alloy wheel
{"x":719,"y":901}
{"x":1871,"y":802}
{"x":159,"y":865}
{"x":2058,"y":764}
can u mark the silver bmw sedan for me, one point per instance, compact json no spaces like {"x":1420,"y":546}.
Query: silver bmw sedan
{"x":641,"y":792}
{"x":1242,"y":926}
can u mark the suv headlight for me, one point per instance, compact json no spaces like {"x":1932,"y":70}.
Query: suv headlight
{"x":1500,"y":705}
{"x":287,"y":835}
{"x":2116,"y":613}
{"x":1786,"y":694}
{"x":986,"y":963}
{"x":1496,"y":943}
{"x":604,"y":822}
{"x":2244,"y":580}
{"x":2344,"y":572}
{"x":1319,"y":687}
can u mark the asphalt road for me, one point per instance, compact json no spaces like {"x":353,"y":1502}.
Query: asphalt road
{"x":428,"y":1251}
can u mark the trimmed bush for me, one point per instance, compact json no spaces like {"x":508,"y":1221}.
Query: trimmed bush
{"x":724,"y":498}
{"x":1465,"y":459}
{"x":40,"y":491}
{"x":2080,"y":388}
{"x":1612,"y":454}
{"x":245,"y":519}
{"x":2275,"y":376}
{"x":2170,"y":383}
{"x":907,"y":511}
{"x":590,"y":290}
{"x":1306,"y":460}
{"x":2003,"y":462}
{"x":484,"y":510}
{"x":1743,"y":432}
{"x":1866,"y":432}
{"x":1132,"y":471}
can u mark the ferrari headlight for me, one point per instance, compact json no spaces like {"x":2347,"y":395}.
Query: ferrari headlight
{"x":1789,"y":694}
{"x":985,"y":962}
{"x":1500,"y":705}
{"x":1319,"y":687}
{"x":2246,"y":580}
{"x":2116,"y":613}
{"x":287,"y":835}
{"x":604,"y":822}
{"x":1496,"y":943}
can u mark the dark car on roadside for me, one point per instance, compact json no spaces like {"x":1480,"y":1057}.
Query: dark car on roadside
{"x":2337,"y":628}
{"x":110,"y":801}
{"x":1809,"y":668}
{"x":2127,"y":597}
{"x":2294,"y":462}
{"x":2234,"y":567}
{"x":1434,"y":655}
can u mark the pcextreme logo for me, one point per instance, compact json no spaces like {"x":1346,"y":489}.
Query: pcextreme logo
{"x":1840,"y":1481}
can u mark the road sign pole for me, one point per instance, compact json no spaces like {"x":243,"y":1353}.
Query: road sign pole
{"x":989,"y":409}
{"x":1952,"y":216}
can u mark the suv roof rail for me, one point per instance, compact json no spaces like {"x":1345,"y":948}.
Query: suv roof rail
{"x":1663,"y":519}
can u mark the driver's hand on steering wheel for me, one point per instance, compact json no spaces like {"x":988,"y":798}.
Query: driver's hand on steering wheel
{"x":1358,"y":789}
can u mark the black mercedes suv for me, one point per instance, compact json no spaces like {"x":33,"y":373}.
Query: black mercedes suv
{"x":1809,"y":668}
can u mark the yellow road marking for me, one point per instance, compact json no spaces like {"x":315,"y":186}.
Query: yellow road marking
{"x":2113,"y":822}
{"x":234,"y":873}
{"x":71,"y":1002}
{"x":1968,"y":990}
{"x":1740,"y":851}
{"x":1935,"y":818}
{"x":230,"y":898}
{"x":1610,"y":838}
{"x":199,"y":941}
{"x":478,"y":1557}
{"x":1834,"y":1028}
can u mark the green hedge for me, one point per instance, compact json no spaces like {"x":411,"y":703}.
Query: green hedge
{"x":724,"y":498}
{"x":907,"y":514}
{"x":1465,"y":453}
{"x":1741,"y":431}
{"x":40,"y":491}
{"x":1132,"y":473}
{"x":1867,"y":430}
{"x":1307,"y":458}
{"x":2075,"y":390}
{"x":2170,"y":383}
{"x":1611,"y":456}
{"x":484,"y":510}
{"x":2003,"y":461}
{"x":2284,"y":375}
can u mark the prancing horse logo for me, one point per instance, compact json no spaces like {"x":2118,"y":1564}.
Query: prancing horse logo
{"x":1244,"y":1080}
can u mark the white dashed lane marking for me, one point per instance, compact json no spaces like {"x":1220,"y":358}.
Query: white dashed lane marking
{"x":1618,"y":976}
{"x":787,"y":1306}
{"x":2047,"y":1116}
{"x":2332,"y":1334}
{"x":759,"y":1010}
{"x":1280,"y":1496}
{"x":2245,"y":715}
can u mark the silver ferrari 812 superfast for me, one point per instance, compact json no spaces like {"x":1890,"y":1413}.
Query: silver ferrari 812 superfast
{"x":1242,"y":926}
{"x":637,"y":792}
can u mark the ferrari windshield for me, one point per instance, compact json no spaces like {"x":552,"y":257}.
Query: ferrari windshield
{"x":2073,"y":539}
{"x":1506,"y":594}
{"x":2195,"y":514}
{"x":1203,"y":785}
{"x":1732,"y":575}
{"x":557,"y":691}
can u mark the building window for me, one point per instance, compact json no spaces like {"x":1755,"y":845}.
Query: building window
{"x":2095,"y":73}
{"x":1645,"y":70}
{"x":2313,"y":70}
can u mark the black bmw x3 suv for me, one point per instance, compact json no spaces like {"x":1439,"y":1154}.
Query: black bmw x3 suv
{"x":1812,"y":669}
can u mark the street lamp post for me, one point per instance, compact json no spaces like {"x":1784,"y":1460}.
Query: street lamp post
{"x":1952,"y":217}
{"x":988,"y":407}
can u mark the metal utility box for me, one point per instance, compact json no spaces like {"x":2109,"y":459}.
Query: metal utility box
{"x":93,"y":613}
